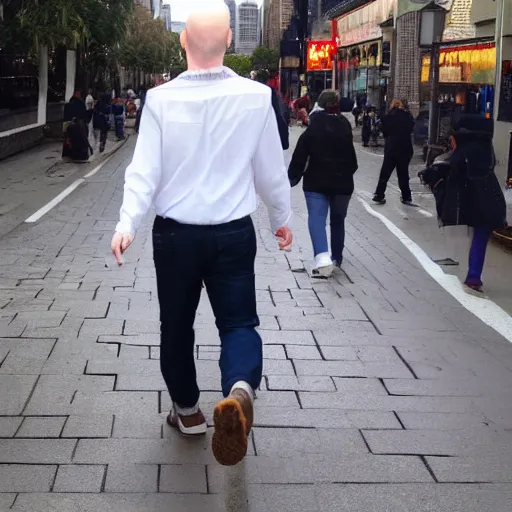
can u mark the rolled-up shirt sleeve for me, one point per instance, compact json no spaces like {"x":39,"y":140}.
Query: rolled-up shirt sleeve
{"x":270,"y":174}
{"x":144,"y":173}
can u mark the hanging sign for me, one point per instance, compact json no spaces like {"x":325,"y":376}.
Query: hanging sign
{"x":320,"y":55}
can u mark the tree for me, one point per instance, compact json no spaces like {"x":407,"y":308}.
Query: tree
{"x":265,"y":58}
{"x":240,"y":64}
{"x":148,"y":46}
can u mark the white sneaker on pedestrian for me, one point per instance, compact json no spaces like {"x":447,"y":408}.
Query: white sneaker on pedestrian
{"x":323,"y":265}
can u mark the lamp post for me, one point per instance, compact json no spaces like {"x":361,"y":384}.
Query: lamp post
{"x":431,"y":34}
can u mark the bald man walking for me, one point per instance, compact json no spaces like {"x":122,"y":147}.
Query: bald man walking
{"x":208,"y":145}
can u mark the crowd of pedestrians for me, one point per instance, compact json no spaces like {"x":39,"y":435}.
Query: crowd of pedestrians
{"x":203,"y":235}
{"x":92,"y":119}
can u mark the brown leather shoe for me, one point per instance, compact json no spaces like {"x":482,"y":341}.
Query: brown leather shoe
{"x":233,"y":419}
{"x":193,"y":425}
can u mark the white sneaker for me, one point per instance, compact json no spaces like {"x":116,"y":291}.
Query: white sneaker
{"x":189,"y":425}
{"x":323,"y":265}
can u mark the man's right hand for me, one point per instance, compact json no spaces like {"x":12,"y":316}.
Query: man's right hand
{"x":121,"y":242}
{"x":284,"y":236}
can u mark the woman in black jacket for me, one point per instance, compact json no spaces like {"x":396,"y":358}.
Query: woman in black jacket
{"x":397,"y":128}
{"x":326,"y":157}
{"x":467,"y":190}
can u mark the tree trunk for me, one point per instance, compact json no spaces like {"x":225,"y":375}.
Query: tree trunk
{"x":70,"y":73}
{"x":43,"y":85}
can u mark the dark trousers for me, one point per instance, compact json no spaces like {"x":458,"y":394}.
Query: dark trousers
{"x":481,"y":237}
{"x":318,"y":207}
{"x":401,"y":164}
{"x":101,"y":135}
{"x":222,"y":257}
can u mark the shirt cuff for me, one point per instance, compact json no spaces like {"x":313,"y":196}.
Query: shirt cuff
{"x":125,"y":226}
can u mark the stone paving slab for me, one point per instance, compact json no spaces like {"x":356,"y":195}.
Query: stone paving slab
{"x":379,"y":393}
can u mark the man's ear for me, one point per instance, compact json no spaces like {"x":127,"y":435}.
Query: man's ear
{"x":183,"y":39}
{"x":230,"y":38}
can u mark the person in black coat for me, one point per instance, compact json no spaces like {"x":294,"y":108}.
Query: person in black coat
{"x":279,"y":107}
{"x":467,"y":191}
{"x":326,"y":158}
{"x":397,"y":128}
{"x":101,"y":120}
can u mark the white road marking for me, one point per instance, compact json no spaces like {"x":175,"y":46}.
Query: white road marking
{"x":484,"y":309}
{"x":65,"y":193}
{"x":399,"y":210}
{"x":425,"y":213}
{"x":98,"y":168}
{"x":55,"y":201}
{"x":370,"y":153}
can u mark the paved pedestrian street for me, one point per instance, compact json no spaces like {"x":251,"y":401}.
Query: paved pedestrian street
{"x":381,"y":392}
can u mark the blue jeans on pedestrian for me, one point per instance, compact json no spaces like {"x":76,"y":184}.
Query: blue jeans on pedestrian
{"x":222,"y":258}
{"x":318,"y":208}
{"x":481,"y":237}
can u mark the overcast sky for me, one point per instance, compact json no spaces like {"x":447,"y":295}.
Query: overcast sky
{"x":179,"y":8}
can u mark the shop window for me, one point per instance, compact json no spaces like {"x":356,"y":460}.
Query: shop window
{"x":19,"y":91}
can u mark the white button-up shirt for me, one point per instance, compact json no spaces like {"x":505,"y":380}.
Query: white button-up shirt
{"x":208,"y":145}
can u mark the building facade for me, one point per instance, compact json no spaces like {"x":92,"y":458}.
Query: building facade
{"x":248,"y":28}
{"x":277,"y":17}
{"x":494,"y":19}
{"x":165,"y":14}
{"x":232,"y":22}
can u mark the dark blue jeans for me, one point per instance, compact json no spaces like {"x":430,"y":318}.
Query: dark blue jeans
{"x":222,"y":257}
{"x":318,"y":208}
{"x":481,"y":237}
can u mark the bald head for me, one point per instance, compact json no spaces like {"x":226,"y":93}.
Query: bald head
{"x":207,"y":34}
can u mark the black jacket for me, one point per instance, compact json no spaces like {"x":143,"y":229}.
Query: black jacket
{"x":397,"y":128}
{"x":465,"y":186}
{"x":325,"y":156}
{"x":75,"y":109}
{"x":282,"y":124}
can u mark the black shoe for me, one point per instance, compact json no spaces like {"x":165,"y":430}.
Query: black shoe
{"x":408,"y":202}
{"x":379,"y":200}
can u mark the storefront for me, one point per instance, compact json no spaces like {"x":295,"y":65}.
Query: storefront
{"x":467,"y":76}
{"x":364,"y":52}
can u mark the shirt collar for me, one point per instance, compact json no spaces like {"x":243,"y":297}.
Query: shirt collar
{"x":205,"y":75}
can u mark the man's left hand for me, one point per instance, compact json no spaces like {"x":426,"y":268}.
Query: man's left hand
{"x":284,"y":236}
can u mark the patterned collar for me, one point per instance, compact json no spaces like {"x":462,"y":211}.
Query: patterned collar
{"x":208,"y":75}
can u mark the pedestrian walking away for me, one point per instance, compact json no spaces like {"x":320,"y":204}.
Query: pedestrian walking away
{"x":326,"y":157}
{"x":76,"y":144}
{"x":222,"y":149}
{"x":397,"y":128}
{"x":263,"y":77}
{"x":467,"y":190}
{"x":101,"y":120}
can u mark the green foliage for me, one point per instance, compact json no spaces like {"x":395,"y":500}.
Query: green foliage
{"x":69,"y":23}
{"x":148,"y":46}
{"x":240,"y":64}
{"x":265,"y":58}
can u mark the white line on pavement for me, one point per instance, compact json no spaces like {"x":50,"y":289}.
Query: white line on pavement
{"x":370,"y":153}
{"x":65,"y":193}
{"x":484,"y":309}
{"x":55,"y":201}
{"x":98,"y":168}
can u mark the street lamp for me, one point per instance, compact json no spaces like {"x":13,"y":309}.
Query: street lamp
{"x":432,"y":25}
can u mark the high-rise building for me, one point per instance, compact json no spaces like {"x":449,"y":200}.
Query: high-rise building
{"x":145,"y":3}
{"x":277,"y":17}
{"x":232,"y":23}
{"x":165,"y":14}
{"x":156,"y":6}
{"x":248,"y":25}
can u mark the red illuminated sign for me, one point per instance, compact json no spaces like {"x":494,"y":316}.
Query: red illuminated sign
{"x":320,"y":54}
